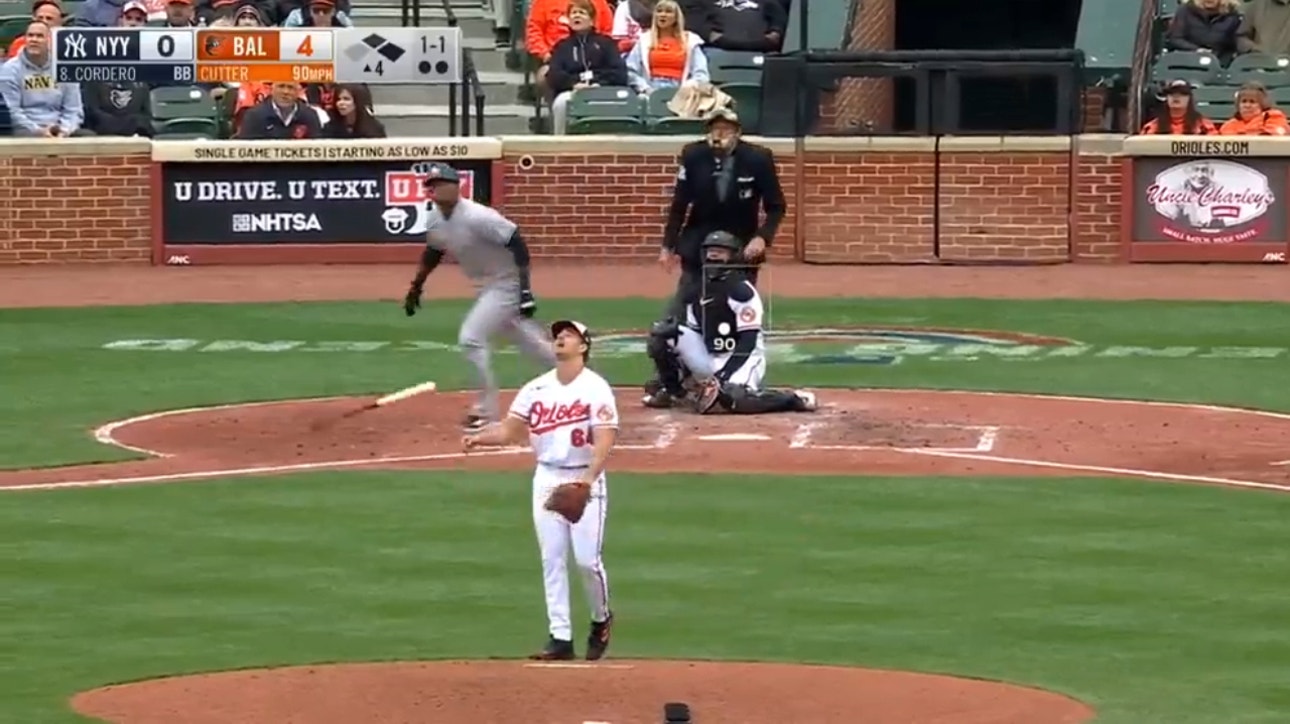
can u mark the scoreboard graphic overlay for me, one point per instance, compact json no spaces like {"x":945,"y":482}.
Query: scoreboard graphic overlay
{"x":187,"y":56}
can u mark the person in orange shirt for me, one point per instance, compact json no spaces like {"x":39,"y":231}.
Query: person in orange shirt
{"x":1255,"y":114}
{"x":48,"y":12}
{"x":667,"y":55}
{"x":548,"y":24}
{"x":1178,"y":115}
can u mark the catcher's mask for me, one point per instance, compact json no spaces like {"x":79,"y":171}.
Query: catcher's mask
{"x":578,"y":327}
{"x":719,"y":250}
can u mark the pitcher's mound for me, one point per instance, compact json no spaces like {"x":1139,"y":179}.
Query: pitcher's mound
{"x":618,"y":692}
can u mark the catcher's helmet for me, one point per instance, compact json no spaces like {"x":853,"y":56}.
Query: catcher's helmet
{"x":723,"y":240}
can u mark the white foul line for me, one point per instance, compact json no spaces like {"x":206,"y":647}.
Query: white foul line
{"x":669,"y":429}
{"x":257,"y":470}
{"x":1131,"y":472}
{"x":989,"y":434}
{"x":802,"y":436}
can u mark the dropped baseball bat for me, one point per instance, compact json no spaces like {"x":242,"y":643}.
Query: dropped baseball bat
{"x":396,"y":396}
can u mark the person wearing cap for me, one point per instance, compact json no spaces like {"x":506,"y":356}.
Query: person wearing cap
{"x":120,"y":108}
{"x":49,"y":12}
{"x":723,"y":183}
{"x":318,"y":13}
{"x":1177,"y":114}
{"x":134,"y":14}
{"x":569,"y":418}
{"x":181,"y":14}
{"x":490,"y":251}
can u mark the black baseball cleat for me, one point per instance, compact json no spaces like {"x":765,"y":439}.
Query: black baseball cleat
{"x":598,"y":639}
{"x":661,"y":400}
{"x":555,"y":650}
{"x":474,"y":423}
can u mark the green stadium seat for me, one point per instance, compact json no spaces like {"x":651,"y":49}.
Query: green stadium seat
{"x":676,"y":126}
{"x":1196,"y":68}
{"x":746,"y":98}
{"x":656,"y":103}
{"x":196,"y":127}
{"x":1269,"y":70}
{"x":733,"y":66}
{"x":606,"y":110}
{"x":1217,"y":102}
{"x":182,"y":102}
{"x":12,"y":26}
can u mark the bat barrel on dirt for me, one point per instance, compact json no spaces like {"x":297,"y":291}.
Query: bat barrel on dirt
{"x":393,"y":397}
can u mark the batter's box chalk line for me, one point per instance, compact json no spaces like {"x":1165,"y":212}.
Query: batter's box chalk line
{"x":987,"y":436}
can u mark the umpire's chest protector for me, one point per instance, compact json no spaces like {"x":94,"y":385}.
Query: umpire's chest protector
{"x":738,"y":211}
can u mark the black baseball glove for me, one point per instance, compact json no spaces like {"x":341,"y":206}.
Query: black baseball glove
{"x":412,"y":302}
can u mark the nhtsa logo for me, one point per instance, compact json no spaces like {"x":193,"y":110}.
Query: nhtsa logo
{"x":825,"y":346}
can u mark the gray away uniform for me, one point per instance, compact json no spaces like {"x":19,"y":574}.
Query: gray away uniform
{"x":476,"y":236}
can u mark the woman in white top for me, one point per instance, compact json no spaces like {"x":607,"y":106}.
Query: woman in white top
{"x":666,"y":55}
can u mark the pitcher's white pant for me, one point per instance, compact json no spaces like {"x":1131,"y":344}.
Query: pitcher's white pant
{"x":556,"y":536}
{"x":696,"y":358}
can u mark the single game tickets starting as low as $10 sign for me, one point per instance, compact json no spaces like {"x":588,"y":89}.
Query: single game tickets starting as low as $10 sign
{"x":180,"y":56}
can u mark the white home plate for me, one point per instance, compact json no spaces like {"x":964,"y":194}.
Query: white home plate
{"x":734,"y":437}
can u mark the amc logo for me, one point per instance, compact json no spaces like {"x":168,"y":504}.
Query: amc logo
{"x":185,"y":260}
{"x":1274,"y":257}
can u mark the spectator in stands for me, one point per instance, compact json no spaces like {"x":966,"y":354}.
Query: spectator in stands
{"x":321,"y":14}
{"x":48,"y":12}
{"x":248,"y":15}
{"x":1178,"y":115}
{"x":98,"y":14}
{"x":353,"y":115}
{"x":120,"y":108}
{"x":750,"y":25}
{"x":629,"y":19}
{"x":180,"y":14}
{"x":117,"y":109}
{"x":548,"y":24}
{"x":667,"y":55}
{"x":1255,"y":114}
{"x":134,"y":15}
{"x":38,"y":106}
{"x":1206,"y":25}
{"x":585,"y":59}
{"x":700,"y":16}
{"x":1265,"y":28}
{"x":283,"y":116}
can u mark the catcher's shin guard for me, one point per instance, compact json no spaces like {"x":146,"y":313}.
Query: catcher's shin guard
{"x":670,"y":372}
{"x":740,"y":400}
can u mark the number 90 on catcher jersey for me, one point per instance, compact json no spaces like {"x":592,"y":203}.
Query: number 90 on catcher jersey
{"x":720,"y":317}
{"x":562,"y":418}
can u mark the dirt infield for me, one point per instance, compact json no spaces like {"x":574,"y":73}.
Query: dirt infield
{"x":622,"y":692}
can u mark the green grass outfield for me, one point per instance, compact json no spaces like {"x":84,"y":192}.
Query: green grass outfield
{"x":1152,"y":602}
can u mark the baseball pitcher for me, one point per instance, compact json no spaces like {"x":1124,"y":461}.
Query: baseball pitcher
{"x":719,"y":345}
{"x":493,"y":255}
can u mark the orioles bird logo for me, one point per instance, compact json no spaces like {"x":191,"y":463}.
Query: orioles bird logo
{"x":213,"y":43}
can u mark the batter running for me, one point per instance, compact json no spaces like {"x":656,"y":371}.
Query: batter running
{"x":570,"y":419}
{"x":493,"y":255}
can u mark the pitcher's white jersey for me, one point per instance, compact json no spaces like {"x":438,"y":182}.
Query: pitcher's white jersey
{"x":561,"y":418}
{"x":476,"y":236}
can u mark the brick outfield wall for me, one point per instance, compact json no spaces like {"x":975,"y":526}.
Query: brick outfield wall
{"x":866,"y":200}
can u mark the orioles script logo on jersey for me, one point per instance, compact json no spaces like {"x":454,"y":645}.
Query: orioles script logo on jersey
{"x":544,"y":419}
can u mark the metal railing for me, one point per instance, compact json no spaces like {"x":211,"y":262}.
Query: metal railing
{"x":466,"y":99}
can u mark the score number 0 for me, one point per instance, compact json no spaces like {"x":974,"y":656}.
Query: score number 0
{"x":166,"y":49}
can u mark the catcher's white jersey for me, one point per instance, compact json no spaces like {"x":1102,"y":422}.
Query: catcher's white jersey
{"x":561,"y":418}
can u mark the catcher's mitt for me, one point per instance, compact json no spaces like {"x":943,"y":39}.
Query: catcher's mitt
{"x":570,"y":500}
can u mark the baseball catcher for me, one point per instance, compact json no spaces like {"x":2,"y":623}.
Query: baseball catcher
{"x":715,"y":358}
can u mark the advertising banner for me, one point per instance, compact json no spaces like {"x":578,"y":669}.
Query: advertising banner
{"x":367,"y":202}
{"x":1209,"y":209}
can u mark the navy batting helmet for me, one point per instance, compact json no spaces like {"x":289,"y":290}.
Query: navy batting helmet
{"x":723,"y":240}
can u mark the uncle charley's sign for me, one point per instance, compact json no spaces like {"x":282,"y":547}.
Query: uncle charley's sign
{"x":303,"y":203}
{"x":1209,"y":201}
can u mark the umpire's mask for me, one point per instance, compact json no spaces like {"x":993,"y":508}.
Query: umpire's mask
{"x":723,"y":129}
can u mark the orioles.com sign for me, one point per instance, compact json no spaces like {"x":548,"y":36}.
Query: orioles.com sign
{"x":303,"y":203}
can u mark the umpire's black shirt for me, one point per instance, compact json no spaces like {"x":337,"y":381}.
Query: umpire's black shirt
{"x":722,"y":194}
